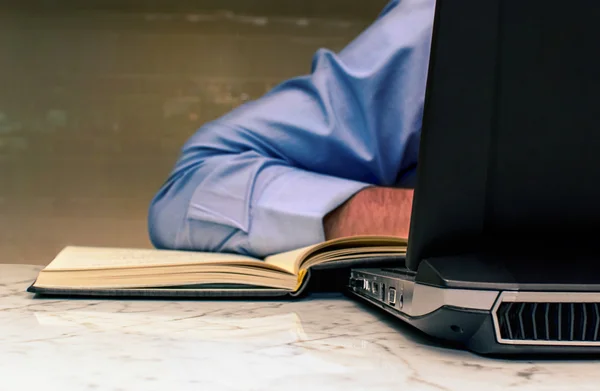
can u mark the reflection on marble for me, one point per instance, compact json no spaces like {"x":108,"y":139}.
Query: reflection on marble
{"x":322,"y":343}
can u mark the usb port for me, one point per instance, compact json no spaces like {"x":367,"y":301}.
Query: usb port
{"x":392,"y":296}
{"x":375,"y":288}
{"x":356,"y":283}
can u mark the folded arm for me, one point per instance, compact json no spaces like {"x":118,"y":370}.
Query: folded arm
{"x":261,"y":179}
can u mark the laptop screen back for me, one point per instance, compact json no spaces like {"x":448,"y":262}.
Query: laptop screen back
{"x":510,"y":146}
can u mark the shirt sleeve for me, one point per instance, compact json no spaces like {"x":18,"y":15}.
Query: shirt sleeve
{"x":260,"y":179}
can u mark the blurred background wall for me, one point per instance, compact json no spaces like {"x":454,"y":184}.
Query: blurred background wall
{"x":98,"y":96}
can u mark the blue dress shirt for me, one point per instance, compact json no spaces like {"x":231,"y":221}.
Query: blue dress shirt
{"x":260,"y":179}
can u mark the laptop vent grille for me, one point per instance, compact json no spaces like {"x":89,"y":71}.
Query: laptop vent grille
{"x":532,"y":321}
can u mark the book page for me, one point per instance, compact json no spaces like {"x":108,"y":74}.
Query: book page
{"x":74,"y":281}
{"x":293,"y":260}
{"x":73,"y":257}
{"x":288,"y":260}
{"x":350,"y":245}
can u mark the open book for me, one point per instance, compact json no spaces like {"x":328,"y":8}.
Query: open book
{"x":99,"y":271}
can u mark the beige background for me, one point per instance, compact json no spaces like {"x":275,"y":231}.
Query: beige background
{"x":95,"y":102}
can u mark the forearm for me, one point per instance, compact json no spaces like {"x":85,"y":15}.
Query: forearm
{"x":206,"y":206}
{"x":372,"y":211}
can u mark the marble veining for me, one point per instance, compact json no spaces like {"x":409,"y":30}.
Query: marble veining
{"x":322,"y":343}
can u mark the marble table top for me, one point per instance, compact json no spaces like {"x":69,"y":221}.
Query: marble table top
{"x":326,"y":342}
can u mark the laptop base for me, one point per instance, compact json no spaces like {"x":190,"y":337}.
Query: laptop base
{"x":505,"y":315}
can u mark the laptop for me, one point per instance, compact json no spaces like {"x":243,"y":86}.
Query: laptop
{"x":504,"y":246}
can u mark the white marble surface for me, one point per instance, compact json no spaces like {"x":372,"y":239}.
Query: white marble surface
{"x":322,"y":343}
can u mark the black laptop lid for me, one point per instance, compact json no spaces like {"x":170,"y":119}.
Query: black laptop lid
{"x":510,"y":147}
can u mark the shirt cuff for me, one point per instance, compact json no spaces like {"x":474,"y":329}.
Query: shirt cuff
{"x":288,"y":207}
